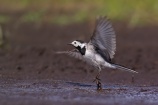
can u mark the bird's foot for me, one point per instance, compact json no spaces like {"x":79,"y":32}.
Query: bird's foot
{"x":98,"y":82}
{"x":99,"y":86}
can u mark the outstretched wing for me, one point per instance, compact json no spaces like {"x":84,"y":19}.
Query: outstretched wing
{"x":74,"y":53}
{"x":104,"y":37}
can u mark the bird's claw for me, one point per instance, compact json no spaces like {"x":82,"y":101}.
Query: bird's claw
{"x":98,"y":82}
{"x":99,"y":86}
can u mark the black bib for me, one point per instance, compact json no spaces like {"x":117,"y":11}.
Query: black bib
{"x":81,"y":50}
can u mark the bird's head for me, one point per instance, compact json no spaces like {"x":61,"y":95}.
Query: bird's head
{"x":77,"y":43}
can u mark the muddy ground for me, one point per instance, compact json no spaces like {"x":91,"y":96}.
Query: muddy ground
{"x":31,"y":73}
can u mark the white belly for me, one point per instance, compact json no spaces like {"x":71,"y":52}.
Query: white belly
{"x":99,"y":59}
{"x":90,"y":57}
{"x":93,"y":58}
{"x":96,"y":59}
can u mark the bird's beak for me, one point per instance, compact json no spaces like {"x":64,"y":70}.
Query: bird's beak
{"x":69,"y":44}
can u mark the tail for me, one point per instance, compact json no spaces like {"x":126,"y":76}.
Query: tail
{"x":123,"y":68}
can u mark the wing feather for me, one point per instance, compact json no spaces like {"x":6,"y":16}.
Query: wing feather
{"x":74,"y":53}
{"x":104,"y":37}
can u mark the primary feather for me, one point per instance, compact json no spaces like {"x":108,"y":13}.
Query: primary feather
{"x":104,"y":37}
{"x":74,"y":53}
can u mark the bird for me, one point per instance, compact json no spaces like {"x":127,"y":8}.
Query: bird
{"x":99,"y":50}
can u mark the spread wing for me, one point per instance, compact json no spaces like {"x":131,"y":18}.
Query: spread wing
{"x":74,"y":53}
{"x":104,"y":37}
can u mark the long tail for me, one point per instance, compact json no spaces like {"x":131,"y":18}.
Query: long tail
{"x":123,"y":68}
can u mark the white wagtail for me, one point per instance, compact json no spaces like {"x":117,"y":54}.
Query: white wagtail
{"x":99,"y":51}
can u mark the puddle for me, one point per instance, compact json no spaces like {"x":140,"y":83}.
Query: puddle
{"x":79,"y":93}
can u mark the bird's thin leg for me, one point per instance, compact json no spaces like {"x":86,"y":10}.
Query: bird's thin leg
{"x":98,"y":81}
{"x":97,"y":78}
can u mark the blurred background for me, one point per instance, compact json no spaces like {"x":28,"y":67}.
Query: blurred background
{"x":31,"y":31}
{"x":75,"y":11}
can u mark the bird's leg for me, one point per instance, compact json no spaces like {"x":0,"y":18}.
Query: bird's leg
{"x":98,"y":81}
{"x":97,"y":78}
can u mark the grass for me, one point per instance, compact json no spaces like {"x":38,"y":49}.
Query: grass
{"x":4,"y":19}
{"x":32,"y":16}
{"x":137,"y":12}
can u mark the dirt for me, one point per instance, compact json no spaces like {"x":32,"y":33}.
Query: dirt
{"x":31,"y":73}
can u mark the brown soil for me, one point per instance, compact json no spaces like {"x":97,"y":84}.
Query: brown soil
{"x":31,"y":73}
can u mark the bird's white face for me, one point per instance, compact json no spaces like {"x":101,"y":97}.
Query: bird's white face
{"x":76,"y":43}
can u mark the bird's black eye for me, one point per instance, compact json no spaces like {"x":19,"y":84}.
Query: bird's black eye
{"x":74,"y":42}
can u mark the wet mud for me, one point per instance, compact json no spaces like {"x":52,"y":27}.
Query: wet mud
{"x":31,"y":73}
{"x":67,"y":92}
